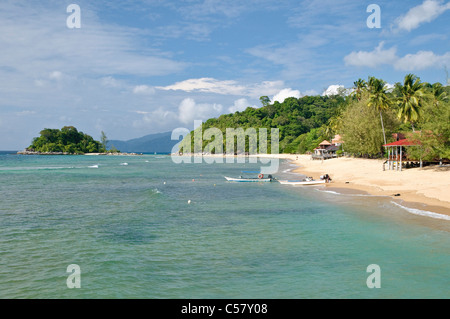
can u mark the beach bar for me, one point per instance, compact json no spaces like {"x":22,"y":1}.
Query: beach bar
{"x":396,"y":155}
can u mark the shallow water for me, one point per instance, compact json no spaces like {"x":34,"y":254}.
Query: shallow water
{"x":134,"y":235}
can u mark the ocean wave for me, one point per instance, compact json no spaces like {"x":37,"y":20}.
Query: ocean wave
{"x":344,"y":194}
{"x":330,"y":192}
{"x":420,"y":212}
{"x":34,"y":168}
{"x":156,"y":191}
{"x":124,"y":164}
{"x":45,"y":168}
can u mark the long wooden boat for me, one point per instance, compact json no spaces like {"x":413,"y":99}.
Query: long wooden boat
{"x":304,"y":182}
{"x":246,"y":179}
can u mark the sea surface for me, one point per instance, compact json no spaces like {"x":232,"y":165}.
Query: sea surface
{"x":145,"y":227}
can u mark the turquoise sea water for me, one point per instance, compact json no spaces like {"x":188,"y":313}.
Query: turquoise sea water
{"x":133,"y":234}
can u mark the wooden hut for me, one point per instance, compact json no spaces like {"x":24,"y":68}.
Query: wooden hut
{"x":396,"y":155}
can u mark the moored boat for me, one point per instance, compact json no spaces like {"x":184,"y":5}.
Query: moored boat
{"x":304,"y":182}
{"x":260,"y":178}
{"x":308,"y":181}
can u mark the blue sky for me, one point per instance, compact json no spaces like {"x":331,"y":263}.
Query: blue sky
{"x":146,"y":66}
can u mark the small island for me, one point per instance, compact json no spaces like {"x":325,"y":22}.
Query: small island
{"x":68,"y":141}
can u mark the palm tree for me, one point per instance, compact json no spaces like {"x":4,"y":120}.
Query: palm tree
{"x":359,"y":87}
{"x":378,"y":98}
{"x":438,"y":94}
{"x":410,"y":100}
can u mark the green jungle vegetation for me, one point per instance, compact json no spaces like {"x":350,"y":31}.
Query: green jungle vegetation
{"x":366,"y":119}
{"x":67,"y":140}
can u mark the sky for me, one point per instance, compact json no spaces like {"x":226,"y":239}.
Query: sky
{"x":132,"y":68}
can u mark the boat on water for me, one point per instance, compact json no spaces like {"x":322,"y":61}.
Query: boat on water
{"x":260,"y":178}
{"x":308,"y":181}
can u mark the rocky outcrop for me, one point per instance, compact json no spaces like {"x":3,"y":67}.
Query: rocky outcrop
{"x":33,"y":152}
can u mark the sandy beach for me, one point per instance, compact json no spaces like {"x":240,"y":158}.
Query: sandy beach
{"x":426,"y":188}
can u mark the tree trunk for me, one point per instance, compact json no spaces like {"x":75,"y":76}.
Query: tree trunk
{"x":382,"y":127}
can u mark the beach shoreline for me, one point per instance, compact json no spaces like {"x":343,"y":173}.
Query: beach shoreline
{"x":425,"y":188}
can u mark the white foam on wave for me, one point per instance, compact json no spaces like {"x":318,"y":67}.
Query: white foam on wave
{"x":124,"y":164}
{"x":420,"y":212}
{"x":93,"y":166}
{"x":414,"y":211}
{"x":330,"y":192}
{"x":343,"y":194}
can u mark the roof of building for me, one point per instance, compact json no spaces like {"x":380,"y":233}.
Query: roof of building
{"x":325,"y":142}
{"x":404,"y":142}
{"x":332,"y":148}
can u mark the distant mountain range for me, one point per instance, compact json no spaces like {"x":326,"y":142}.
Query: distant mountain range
{"x":152,"y":143}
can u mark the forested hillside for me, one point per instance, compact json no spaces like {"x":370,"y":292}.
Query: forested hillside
{"x":294,"y":118}
{"x":366,"y":119}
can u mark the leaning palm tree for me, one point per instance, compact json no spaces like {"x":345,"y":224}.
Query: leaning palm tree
{"x":358,"y":88}
{"x":378,"y":98}
{"x":411,"y":97}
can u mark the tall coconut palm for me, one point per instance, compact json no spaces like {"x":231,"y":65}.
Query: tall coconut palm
{"x":411,"y":97}
{"x":358,"y":88}
{"x":378,"y":98}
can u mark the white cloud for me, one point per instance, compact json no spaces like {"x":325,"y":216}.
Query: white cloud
{"x":333,"y":90}
{"x":310,"y":93}
{"x":389,"y":87}
{"x":209,"y":85}
{"x":422,"y":60}
{"x":285,"y":93}
{"x":34,"y":39}
{"x":56,"y":75}
{"x":25,"y":113}
{"x":189,"y":111}
{"x":264,"y":88}
{"x":426,"y":12}
{"x":226,"y":87}
{"x":111,"y":82}
{"x":143,"y":89}
{"x":40,"y":83}
{"x":410,"y":62}
{"x":159,"y":119}
{"x":240,"y":105}
{"x":372,"y":59}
